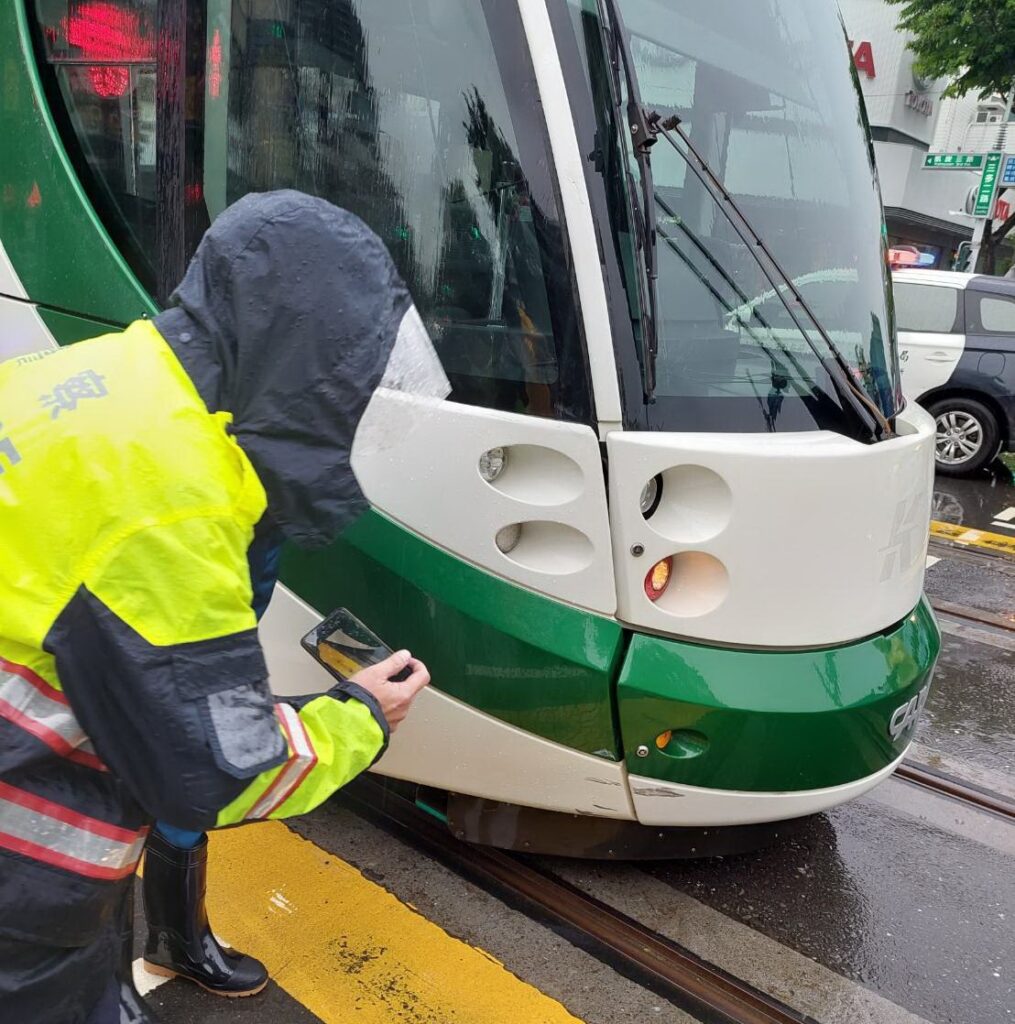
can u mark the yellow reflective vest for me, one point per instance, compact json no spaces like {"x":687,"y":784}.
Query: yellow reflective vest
{"x":132,"y":684}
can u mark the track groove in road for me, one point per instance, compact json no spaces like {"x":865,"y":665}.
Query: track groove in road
{"x":689,"y":982}
{"x":962,"y":611}
{"x":956,"y":789}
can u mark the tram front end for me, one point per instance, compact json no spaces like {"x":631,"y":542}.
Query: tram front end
{"x":663,"y":547}
{"x":700,"y":610}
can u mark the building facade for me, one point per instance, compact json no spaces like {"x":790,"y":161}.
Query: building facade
{"x":924,"y":209}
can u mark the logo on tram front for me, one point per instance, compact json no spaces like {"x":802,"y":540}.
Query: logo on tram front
{"x":906,"y":538}
{"x":906,"y":715}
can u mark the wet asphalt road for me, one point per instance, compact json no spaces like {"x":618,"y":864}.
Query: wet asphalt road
{"x":976,"y":501}
{"x":971,"y":713}
{"x":907,"y":908}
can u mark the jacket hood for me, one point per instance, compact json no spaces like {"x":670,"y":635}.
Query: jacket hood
{"x":286,"y":318}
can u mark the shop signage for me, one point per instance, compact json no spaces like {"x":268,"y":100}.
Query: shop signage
{"x":863,"y":58}
{"x":921,"y":104}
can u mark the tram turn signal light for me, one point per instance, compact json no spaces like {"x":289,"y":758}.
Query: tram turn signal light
{"x":663,"y":739}
{"x":658,"y":578}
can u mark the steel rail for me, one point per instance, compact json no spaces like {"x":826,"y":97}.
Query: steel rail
{"x":949,"y":786}
{"x":962,"y":611}
{"x":668,"y":969}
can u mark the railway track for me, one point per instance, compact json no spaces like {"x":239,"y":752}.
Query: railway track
{"x":711,"y":995}
{"x":956,"y":789}
{"x":706,"y":992}
{"x":977,"y":615}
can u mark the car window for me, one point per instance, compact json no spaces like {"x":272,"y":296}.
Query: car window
{"x":992,"y":314}
{"x":922,"y":307}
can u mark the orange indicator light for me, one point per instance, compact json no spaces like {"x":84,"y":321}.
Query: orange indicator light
{"x":658,"y":579}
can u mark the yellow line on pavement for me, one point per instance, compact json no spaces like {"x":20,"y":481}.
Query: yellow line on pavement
{"x":349,"y":950}
{"x":965,"y":535}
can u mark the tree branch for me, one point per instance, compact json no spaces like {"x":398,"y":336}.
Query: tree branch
{"x":1002,"y":231}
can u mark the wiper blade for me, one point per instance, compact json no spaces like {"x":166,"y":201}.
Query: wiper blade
{"x":717,"y":296}
{"x":643,"y":138}
{"x":864,"y":407}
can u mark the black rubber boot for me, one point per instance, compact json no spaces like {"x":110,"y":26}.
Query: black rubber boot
{"x":180,"y":943}
{"x":133,"y":1008}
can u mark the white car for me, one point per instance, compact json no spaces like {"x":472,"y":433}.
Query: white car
{"x":957,"y":353}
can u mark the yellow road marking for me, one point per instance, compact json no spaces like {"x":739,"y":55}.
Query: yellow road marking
{"x":997,"y":542}
{"x":346,"y":948}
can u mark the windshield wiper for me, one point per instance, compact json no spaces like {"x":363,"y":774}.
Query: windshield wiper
{"x":777,"y":368}
{"x":643,"y":138}
{"x":839,"y":370}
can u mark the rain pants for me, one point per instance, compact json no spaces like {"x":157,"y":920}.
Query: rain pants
{"x":134,"y":468}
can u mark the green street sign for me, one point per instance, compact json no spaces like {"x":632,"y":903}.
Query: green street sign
{"x":988,"y":186}
{"x":953,"y":161}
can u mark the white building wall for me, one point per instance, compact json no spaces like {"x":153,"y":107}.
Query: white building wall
{"x":955,"y":124}
{"x":904,"y":182}
{"x":876,"y":22}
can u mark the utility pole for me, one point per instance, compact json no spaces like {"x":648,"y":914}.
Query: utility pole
{"x":986,"y":224}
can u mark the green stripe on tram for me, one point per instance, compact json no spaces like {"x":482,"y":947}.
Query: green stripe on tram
{"x":66,"y":328}
{"x":772,"y":721}
{"x":536,"y":663}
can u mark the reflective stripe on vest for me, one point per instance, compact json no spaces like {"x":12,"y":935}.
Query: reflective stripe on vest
{"x":53,"y":834}
{"x":294,"y":771}
{"x":28,"y":701}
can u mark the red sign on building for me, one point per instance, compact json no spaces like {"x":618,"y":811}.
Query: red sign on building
{"x":863,"y":58}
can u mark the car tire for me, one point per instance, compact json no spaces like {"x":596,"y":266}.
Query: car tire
{"x":967,"y":435}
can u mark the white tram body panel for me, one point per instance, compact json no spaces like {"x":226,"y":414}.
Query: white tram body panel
{"x":842,"y":560}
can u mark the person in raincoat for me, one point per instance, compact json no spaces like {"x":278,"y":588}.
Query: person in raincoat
{"x":146,"y":479}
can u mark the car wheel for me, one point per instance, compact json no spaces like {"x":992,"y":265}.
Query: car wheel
{"x":967,"y":435}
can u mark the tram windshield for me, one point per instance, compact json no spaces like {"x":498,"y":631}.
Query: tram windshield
{"x":767,"y":94}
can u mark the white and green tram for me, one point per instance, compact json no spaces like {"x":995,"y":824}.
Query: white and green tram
{"x":663,"y":547}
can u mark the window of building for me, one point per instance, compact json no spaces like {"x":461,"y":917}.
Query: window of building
{"x":925,"y":307}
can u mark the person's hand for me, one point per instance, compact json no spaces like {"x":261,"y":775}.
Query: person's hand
{"x":394,"y":698}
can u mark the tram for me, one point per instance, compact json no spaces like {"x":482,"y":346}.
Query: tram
{"x":663,"y":546}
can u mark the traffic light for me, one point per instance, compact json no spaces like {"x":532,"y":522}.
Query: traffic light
{"x":962,"y":256}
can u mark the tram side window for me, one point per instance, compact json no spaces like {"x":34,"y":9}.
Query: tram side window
{"x":102,"y":56}
{"x":397,"y":111}
{"x":926,"y":308}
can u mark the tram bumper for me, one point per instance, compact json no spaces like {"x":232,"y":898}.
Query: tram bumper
{"x":718,"y":736}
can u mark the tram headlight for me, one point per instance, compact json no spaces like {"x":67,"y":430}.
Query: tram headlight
{"x":657,"y":579}
{"x":508,"y":537}
{"x":650,"y":495}
{"x":492,"y":463}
